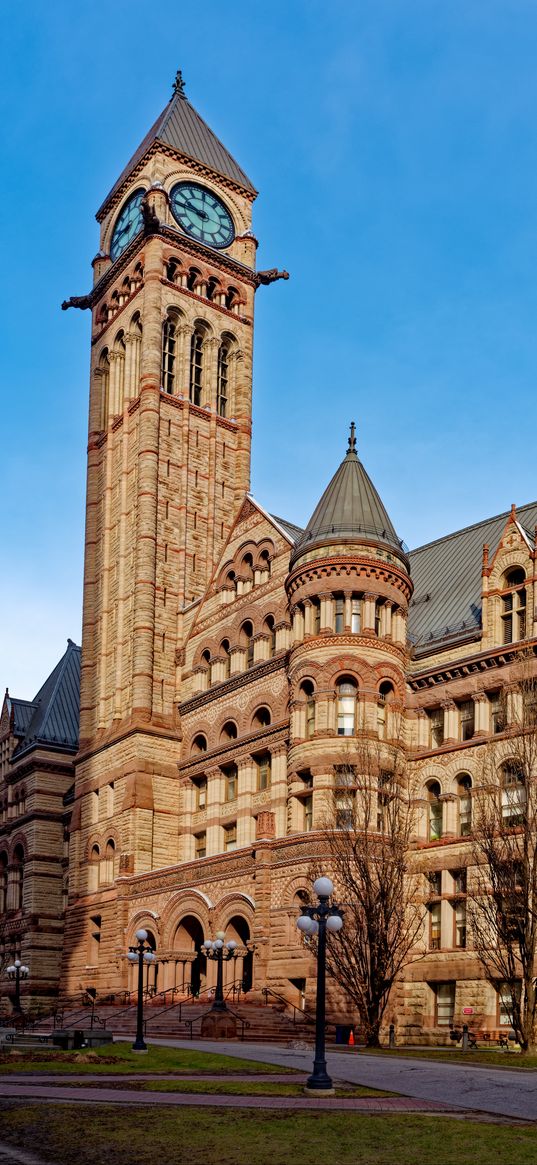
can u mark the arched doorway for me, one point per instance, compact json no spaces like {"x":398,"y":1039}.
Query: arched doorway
{"x":238,"y":929}
{"x":188,"y":940}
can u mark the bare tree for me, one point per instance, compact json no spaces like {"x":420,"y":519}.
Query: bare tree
{"x":503,"y":898}
{"x":367,"y":842}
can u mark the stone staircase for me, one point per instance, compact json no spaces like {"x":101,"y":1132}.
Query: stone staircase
{"x":256,"y":1022}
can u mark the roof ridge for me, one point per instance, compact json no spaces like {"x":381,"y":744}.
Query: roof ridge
{"x":61,"y":666}
{"x":472,"y":526}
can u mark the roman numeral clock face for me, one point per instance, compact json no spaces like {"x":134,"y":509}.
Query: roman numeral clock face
{"x":201,"y":214}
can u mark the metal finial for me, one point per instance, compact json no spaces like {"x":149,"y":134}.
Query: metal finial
{"x":352,"y":439}
{"x":179,"y":85}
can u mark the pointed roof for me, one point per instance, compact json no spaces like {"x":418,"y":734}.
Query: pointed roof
{"x":51,"y":718}
{"x":350,"y":509}
{"x":181,"y":127}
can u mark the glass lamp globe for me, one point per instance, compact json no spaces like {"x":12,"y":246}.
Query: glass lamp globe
{"x":208,"y":946}
{"x":323,"y":887}
{"x":314,"y":927}
{"x":25,"y":970}
{"x":132,"y":957}
{"x":305,"y":923}
{"x":231,"y":944}
{"x":10,"y":970}
{"x":149,"y":957}
{"x":334,"y":922}
{"x":218,"y":943}
{"x":220,"y":934}
{"x":17,"y":963}
{"x":141,"y":935}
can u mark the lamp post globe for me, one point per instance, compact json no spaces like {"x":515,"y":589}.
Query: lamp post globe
{"x":141,"y":953}
{"x":315,"y":921}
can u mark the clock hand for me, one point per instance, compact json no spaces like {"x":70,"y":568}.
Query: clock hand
{"x":200,"y":213}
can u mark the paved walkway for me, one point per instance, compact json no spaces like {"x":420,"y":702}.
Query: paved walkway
{"x":501,"y":1091}
{"x":36,"y":1089}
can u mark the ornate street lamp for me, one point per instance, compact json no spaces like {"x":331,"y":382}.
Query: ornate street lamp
{"x":16,"y":972}
{"x":222,"y":953}
{"x":316,"y":921}
{"x":140,"y":954}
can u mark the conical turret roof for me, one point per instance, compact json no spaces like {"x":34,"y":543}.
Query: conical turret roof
{"x":349,"y":510}
{"x":181,"y":127}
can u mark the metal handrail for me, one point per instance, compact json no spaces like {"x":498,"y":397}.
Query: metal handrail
{"x":305,"y":1016}
{"x":164,"y":1010}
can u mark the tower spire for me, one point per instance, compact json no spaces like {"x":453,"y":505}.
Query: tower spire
{"x":352,"y":439}
{"x":179,"y":85}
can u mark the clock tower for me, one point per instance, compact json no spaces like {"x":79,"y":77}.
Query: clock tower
{"x":168,"y":467}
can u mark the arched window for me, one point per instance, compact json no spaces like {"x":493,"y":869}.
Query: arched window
{"x":93,"y":868}
{"x":196,"y":366}
{"x":261,"y":718}
{"x":308,"y":692}
{"x":386,"y":693}
{"x":229,"y":731}
{"x":269,"y":628}
{"x":247,"y":640}
{"x":18,"y":877}
{"x":3,"y":882}
{"x":514,"y":606}
{"x":109,"y":856}
{"x":464,"y":788}
{"x":103,"y":370}
{"x":199,"y":743}
{"x":119,"y":373}
{"x":222,"y":378}
{"x":435,"y":811}
{"x":513,"y":794}
{"x":169,"y":352}
{"x":224,"y":650}
{"x":193,"y":278}
{"x":347,"y":691}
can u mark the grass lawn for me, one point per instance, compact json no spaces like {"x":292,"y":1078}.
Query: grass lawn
{"x":251,"y":1088}
{"x":121,"y":1059}
{"x":492,"y":1059}
{"x":109,"y":1135}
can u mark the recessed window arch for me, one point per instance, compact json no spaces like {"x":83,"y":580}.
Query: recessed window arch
{"x":193,"y":278}
{"x":435,"y":812}
{"x":307,"y":691}
{"x":170,"y":330}
{"x":196,"y":376}
{"x":103,"y":369}
{"x":109,"y":858}
{"x":513,"y":793}
{"x":199,"y":743}
{"x":270,"y":630}
{"x":385,"y":696}
{"x":229,"y":730}
{"x":347,"y":694}
{"x":223,"y":404}
{"x":264,"y":562}
{"x":513,"y":605}
{"x":232,"y":298}
{"x":261,"y":718}
{"x":464,"y":791}
{"x":247,"y":641}
{"x":226,"y":653}
{"x":3,"y":881}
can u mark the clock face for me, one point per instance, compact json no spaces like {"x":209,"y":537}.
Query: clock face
{"x":201,"y":214}
{"x":128,"y":223}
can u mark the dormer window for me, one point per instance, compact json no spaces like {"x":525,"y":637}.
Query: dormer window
{"x":514,"y":606}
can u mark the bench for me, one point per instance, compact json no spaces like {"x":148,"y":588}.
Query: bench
{"x":456,"y":1035}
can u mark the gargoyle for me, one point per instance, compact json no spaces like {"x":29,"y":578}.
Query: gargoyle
{"x":81,"y":301}
{"x":270,"y":276}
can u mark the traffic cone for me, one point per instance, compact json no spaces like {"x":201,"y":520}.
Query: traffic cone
{"x":351,"y":1039}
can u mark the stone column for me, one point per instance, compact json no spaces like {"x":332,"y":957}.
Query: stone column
{"x":368,"y":624}
{"x":481,"y":714}
{"x":278,"y":783}
{"x":451,"y":725}
{"x":449,"y":814}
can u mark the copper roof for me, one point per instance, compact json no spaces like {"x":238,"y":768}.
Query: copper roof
{"x":51,"y":718}
{"x":181,"y":127}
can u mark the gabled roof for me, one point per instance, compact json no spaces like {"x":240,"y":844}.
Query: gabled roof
{"x":350,"y":508}
{"x":447,"y":578}
{"x":51,"y":718}
{"x":21,"y":713}
{"x":181,"y":127}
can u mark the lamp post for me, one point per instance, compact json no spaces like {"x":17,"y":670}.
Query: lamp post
{"x":221,"y":952}
{"x":317,"y":920}
{"x":16,"y":972}
{"x":140,"y":954}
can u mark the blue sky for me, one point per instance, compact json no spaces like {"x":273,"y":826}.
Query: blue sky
{"x":394,"y":147}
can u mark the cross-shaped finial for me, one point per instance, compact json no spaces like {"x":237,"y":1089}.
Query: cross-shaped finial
{"x":352,"y":439}
{"x":179,"y":85}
